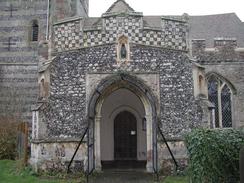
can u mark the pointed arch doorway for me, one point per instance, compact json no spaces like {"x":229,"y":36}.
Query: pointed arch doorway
{"x":114,"y":95}
{"x":122,"y":139}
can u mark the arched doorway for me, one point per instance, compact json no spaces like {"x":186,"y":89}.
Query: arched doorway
{"x":125,"y":136}
{"x":100,"y":126}
{"x":123,"y":142}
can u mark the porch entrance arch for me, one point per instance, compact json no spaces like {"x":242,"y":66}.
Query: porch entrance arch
{"x":103,"y":90}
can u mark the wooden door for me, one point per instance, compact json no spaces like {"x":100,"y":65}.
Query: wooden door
{"x":125,"y":136}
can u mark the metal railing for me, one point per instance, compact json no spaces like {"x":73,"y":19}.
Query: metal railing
{"x":88,"y":173}
{"x":77,"y":148}
{"x":167,"y":145}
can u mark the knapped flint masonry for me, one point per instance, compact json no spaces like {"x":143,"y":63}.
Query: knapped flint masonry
{"x":122,"y":75}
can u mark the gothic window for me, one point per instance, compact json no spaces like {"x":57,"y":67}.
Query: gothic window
{"x":34,"y":31}
{"x":213,"y":97}
{"x":226,"y":107}
{"x":220,"y":95}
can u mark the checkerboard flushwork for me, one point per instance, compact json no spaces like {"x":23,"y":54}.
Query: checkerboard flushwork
{"x":67,"y":36}
{"x":172,"y":35}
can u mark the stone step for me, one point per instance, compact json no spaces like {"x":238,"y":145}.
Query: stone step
{"x":123,"y":176}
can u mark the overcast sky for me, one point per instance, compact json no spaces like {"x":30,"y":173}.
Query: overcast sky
{"x":173,"y":7}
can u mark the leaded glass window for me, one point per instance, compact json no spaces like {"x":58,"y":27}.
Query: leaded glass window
{"x":213,"y":97}
{"x":226,"y":107}
{"x":220,"y":95}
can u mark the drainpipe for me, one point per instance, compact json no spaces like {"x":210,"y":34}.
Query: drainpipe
{"x":47,"y":29}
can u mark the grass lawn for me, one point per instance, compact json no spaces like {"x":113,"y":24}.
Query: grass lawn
{"x":9,"y":173}
{"x":176,"y":180}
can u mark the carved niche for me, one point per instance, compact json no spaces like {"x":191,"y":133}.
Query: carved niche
{"x":123,"y":49}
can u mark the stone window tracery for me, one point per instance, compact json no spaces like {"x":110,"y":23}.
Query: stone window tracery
{"x":220,"y":94}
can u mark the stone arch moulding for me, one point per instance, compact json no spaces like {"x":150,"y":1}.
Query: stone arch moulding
{"x":121,"y":108}
{"x":104,"y":89}
{"x":222,"y":78}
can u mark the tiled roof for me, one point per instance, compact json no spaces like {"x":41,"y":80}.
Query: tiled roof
{"x":214,"y":26}
{"x":208,"y":27}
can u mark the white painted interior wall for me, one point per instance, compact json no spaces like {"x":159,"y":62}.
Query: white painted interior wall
{"x":121,"y":100}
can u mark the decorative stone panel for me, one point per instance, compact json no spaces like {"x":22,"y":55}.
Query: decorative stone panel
{"x":122,"y":23}
{"x":171,"y":36}
{"x":55,"y":156}
{"x":67,"y":36}
{"x":165,"y":160}
{"x":174,"y":34}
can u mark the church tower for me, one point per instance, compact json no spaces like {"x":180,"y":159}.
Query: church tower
{"x":61,"y":9}
{"x":25,"y":27}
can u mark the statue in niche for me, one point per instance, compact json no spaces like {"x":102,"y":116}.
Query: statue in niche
{"x":123,"y":51}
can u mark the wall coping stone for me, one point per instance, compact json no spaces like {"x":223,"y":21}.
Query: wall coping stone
{"x":66,"y":20}
{"x":174,"y":19}
{"x":109,"y":14}
{"x":68,"y":140}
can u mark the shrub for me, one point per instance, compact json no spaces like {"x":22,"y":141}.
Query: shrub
{"x":214,"y":155}
{"x":8,"y":138}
